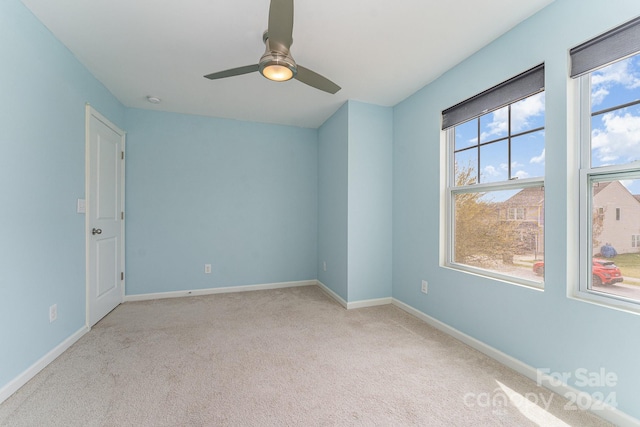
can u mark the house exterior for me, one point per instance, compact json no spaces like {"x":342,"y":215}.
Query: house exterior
{"x":618,"y":213}
{"x":526,"y":209}
{"x":616,"y":217}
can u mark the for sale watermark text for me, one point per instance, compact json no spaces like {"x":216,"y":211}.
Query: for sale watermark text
{"x":589,"y":398}
{"x":584,"y":379}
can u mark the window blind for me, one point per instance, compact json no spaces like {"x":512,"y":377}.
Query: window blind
{"x":514,"y":89}
{"x":615,"y":44}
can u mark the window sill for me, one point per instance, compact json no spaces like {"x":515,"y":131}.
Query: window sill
{"x":606,"y":301}
{"x":493,"y":275}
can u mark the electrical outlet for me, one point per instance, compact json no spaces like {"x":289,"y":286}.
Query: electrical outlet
{"x":53,"y":313}
{"x":207,"y":268}
{"x":324,"y":265}
{"x":425,"y":287}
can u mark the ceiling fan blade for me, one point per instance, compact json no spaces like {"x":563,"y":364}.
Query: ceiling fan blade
{"x":233,"y":72}
{"x":314,"y":79}
{"x":280,"y":28}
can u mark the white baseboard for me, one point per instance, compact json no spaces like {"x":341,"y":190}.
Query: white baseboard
{"x":23,"y":378}
{"x":604,"y":411}
{"x":225,"y":290}
{"x":354,"y":304}
{"x":369,"y":303}
{"x":332,"y":294}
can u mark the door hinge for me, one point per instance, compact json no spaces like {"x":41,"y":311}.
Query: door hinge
{"x":121,"y":275}
{"x":121,"y":215}
{"x":122,"y":155}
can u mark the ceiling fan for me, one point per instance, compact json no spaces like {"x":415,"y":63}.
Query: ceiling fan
{"x":277,"y":64}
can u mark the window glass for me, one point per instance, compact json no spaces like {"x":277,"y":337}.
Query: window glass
{"x":496,"y":191}
{"x":615,"y":113}
{"x":503,"y":155}
{"x":527,"y":155}
{"x":612,"y":264}
{"x":494,"y":161}
{"x":615,"y":84}
{"x":615,"y":259}
{"x":501,"y":231}
{"x":466,"y":134}
{"x":528,"y":114}
{"x":615,"y":137}
{"x":466,"y":165}
{"x":494,"y":125}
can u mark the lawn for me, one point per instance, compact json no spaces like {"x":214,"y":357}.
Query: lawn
{"x":629,"y":264}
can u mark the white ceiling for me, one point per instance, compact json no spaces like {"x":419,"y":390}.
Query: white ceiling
{"x":378,"y":51}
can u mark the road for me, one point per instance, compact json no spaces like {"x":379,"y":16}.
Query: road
{"x":620,"y":289}
{"x":630,"y":288}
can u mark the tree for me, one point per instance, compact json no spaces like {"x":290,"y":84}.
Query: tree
{"x":480,"y":234}
{"x":597,"y":224}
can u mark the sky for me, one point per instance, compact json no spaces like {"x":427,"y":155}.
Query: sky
{"x":527,"y":151}
{"x":615,"y":135}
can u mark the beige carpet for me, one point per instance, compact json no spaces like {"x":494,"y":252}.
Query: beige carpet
{"x":287,"y":357}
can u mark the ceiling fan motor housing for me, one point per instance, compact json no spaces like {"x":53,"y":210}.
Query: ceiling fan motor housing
{"x":275,"y":62}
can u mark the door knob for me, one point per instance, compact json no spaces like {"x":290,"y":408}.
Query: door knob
{"x":96,"y":231}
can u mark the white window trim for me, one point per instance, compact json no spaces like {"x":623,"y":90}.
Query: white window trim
{"x":587,"y":175}
{"x":451,"y":191}
{"x":516,"y":211}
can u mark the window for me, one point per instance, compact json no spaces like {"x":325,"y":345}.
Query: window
{"x":516,"y":214}
{"x":607,"y":69}
{"x":495,"y":181}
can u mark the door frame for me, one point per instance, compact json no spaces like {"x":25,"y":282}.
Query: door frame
{"x":89,"y":112}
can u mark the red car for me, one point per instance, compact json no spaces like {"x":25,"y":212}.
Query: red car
{"x":604,"y":272}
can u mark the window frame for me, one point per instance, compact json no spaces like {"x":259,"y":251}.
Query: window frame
{"x":513,"y":214}
{"x":588,"y":175}
{"x":451,"y":191}
{"x":505,"y":94}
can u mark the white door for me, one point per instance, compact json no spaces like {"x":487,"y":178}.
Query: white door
{"x":104,"y":216}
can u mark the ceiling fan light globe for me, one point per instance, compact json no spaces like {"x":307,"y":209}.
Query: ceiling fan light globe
{"x":277,"y":73}
{"x":277,"y":67}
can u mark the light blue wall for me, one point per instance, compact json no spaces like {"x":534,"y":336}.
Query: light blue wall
{"x":241,"y":196}
{"x":542,"y":329}
{"x":43,"y":91}
{"x":369,"y":201}
{"x":266,"y":203}
{"x":333,"y":140}
{"x":354,"y":201}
